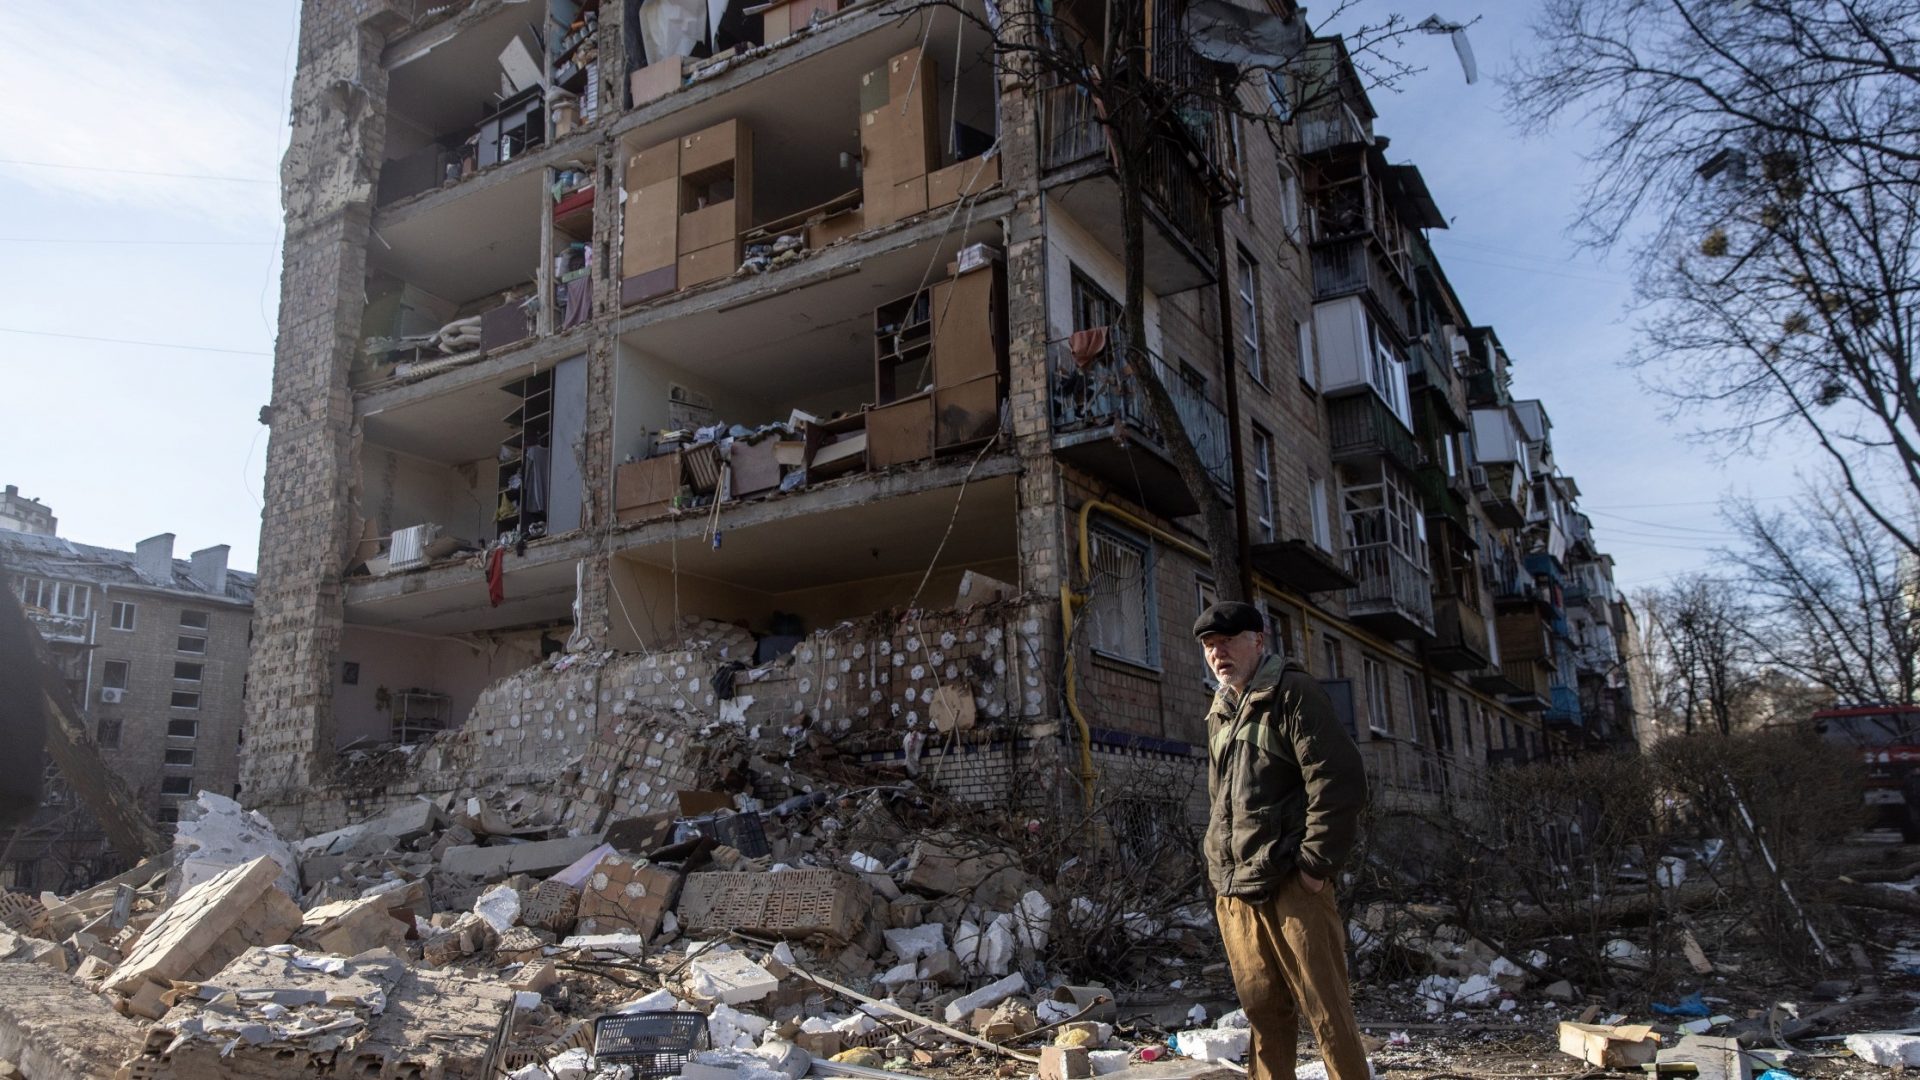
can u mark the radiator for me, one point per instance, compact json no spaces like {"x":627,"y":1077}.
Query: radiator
{"x":410,"y":546}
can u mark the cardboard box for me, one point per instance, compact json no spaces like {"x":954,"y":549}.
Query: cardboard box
{"x":708,"y":226}
{"x":900,"y":432}
{"x":755,"y":467}
{"x":962,"y":178}
{"x":1617,"y":1047}
{"x":709,"y":264}
{"x":657,"y":80}
{"x":784,"y":19}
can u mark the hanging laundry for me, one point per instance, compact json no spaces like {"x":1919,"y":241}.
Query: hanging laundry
{"x":1088,"y":345}
{"x":496,"y":576}
{"x":533,"y":488}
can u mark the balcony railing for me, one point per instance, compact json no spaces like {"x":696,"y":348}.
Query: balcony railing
{"x":1072,"y":132}
{"x":1361,"y":426}
{"x":1532,"y":679}
{"x":1104,"y":393}
{"x":1441,"y":493}
{"x":1563,"y":706}
{"x":1356,"y":264}
{"x":1460,"y":636}
{"x":1392,"y":588}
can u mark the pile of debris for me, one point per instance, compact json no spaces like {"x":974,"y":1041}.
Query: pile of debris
{"x":475,"y":937}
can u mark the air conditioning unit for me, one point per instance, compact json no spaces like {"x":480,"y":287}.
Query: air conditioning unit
{"x":1477,"y":476}
{"x":112,"y":695}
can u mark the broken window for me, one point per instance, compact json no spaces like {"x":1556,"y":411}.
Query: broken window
{"x":54,"y":597}
{"x":1093,"y":307}
{"x":194,"y":645}
{"x":1263,"y":483}
{"x":107,"y":733}
{"x":1379,"y":709}
{"x":185,"y":699}
{"x":1247,"y":304}
{"x":1121,"y":619}
{"x":185,"y":672}
{"x":183,"y":729}
{"x":113,"y":674}
{"x":193,"y":620}
{"x":176,"y":785}
{"x":181,"y":756}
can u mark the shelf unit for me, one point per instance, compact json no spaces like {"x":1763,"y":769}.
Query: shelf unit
{"x":418,"y":714}
{"x":532,"y":422}
{"x":939,"y":362}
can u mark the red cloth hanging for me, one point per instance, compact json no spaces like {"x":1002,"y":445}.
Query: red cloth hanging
{"x":497,"y":576}
{"x":1087,"y":346}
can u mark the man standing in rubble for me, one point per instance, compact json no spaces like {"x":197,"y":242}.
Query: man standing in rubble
{"x":1286,"y":785}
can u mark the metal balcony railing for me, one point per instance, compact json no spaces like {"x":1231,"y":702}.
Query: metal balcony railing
{"x":1389,"y":580}
{"x":1072,"y":131}
{"x":1361,"y":426}
{"x":1356,"y":264}
{"x":1104,"y":393}
{"x":1459,"y":626}
{"x":1531,"y":677}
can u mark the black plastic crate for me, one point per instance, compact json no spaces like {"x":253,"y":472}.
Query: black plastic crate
{"x":657,"y":1044}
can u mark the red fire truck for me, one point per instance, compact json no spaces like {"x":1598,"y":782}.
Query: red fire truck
{"x":1888,"y":737}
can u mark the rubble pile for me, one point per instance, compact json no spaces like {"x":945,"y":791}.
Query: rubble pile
{"x":484,"y":935}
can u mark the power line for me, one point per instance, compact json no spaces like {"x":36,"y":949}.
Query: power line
{"x":137,"y":172}
{"x":131,"y":341}
{"x":186,"y":243}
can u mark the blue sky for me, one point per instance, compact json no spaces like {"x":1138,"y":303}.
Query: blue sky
{"x":127,"y":440}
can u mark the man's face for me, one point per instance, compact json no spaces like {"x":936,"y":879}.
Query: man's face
{"x":1233,"y":657}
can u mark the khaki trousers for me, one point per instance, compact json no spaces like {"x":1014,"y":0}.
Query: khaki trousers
{"x":1289,"y":956}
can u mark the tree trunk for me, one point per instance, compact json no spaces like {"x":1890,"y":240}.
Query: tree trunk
{"x":1216,"y":513}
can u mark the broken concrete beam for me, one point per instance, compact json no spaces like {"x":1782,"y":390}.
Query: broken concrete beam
{"x":502,"y":860}
{"x":629,"y":944}
{"x":51,"y":1026}
{"x":1065,"y":1063}
{"x":730,"y":978}
{"x":197,"y":934}
{"x":988,"y":995}
{"x":351,"y":927}
{"x":791,"y":903}
{"x":626,"y":894}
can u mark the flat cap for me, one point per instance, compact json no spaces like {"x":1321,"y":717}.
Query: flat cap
{"x":1228,"y":617}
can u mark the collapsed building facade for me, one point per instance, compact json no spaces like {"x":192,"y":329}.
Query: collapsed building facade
{"x":637,"y":382}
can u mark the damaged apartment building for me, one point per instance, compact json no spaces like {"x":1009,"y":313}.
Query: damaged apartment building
{"x":153,"y":651}
{"x":646,"y":372}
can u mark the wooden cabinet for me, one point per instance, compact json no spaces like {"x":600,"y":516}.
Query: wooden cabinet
{"x":939,"y":367}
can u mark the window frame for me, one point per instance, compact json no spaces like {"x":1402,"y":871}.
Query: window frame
{"x":183,"y":783}
{"x":1246,"y":291}
{"x":1320,"y":513}
{"x":199,"y":671}
{"x":1412,"y":683}
{"x":169,"y":753}
{"x":1308,"y":361}
{"x":132,"y":612}
{"x":1107,"y":532}
{"x":106,"y":674}
{"x":173,"y":700}
{"x":1373,"y":675}
{"x":180,"y":644}
{"x":104,"y":727}
{"x":1262,"y":477}
{"x":175,"y":722}
{"x":205,"y":623}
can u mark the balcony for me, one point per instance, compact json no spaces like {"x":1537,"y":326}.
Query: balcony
{"x":1503,"y":494}
{"x":1303,"y":565}
{"x":1361,"y":428}
{"x":1460,"y":636}
{"x":1394,"y":596}
{"x":1532,"y":681}
{"x":1441,"y":494}
{"x":55,"y":627}
{"x":1101,"y":423}
{"x":1563,"y":708}
{"x":1356,"y":264}
{"x":1079,"y":173}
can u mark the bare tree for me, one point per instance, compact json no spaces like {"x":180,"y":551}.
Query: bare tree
{"x":1833,"y":596}
{"x":1702,"y":656}
{"x":1774,"y":148}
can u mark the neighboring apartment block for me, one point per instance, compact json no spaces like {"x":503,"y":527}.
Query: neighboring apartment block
{"x":610,"y":335}
{"x":153,"y":649}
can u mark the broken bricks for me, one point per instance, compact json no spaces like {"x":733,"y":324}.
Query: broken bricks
{"x":626,"y":894}
{"x":789,"y":904}
{"x":210,"y":924}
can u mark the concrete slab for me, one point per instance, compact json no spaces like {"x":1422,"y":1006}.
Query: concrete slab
{"x":53,"y":1028}
{"x":504,"y":860}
